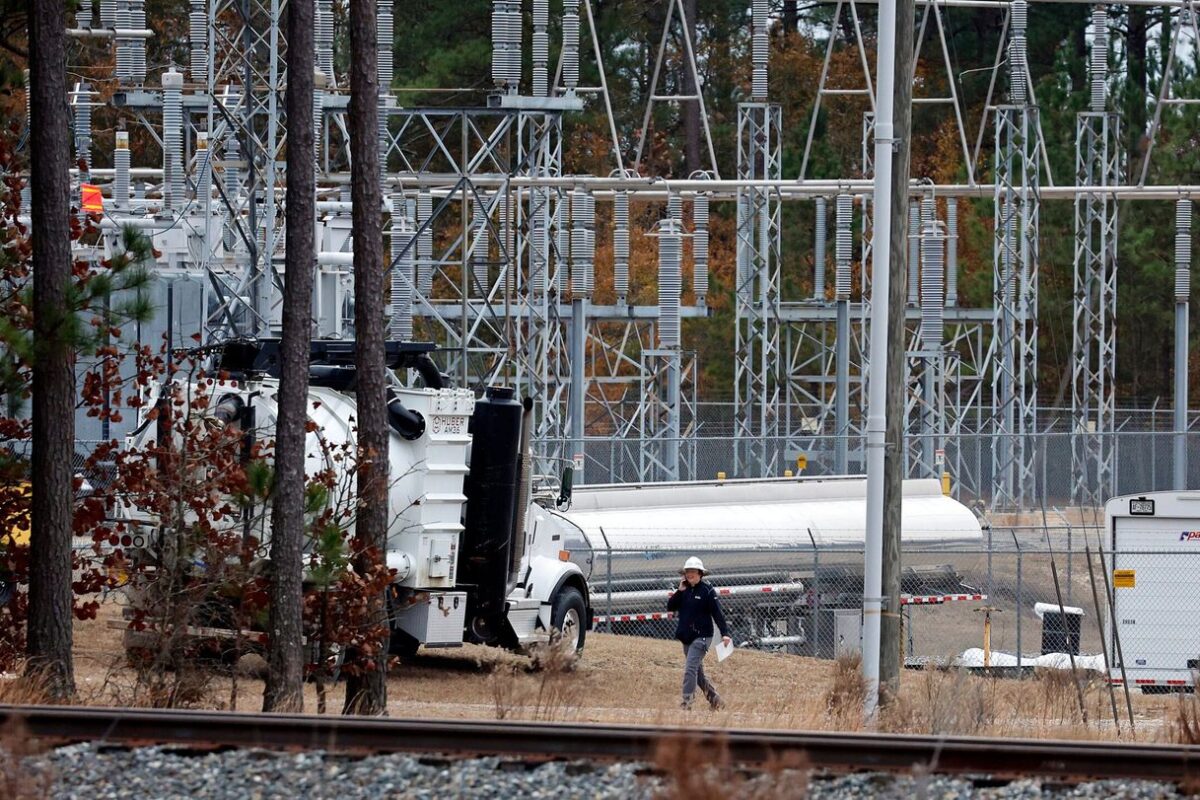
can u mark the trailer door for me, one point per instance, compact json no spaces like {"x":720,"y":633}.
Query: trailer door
{"x":1155,"y":607}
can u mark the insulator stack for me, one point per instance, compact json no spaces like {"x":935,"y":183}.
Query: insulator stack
{"x":541,"y":48}
{"x":172,"y":94}
{"x":1183,"y":248}
{"x":402,"y":270}
{"x":743,"y":233}
{"x":506,"y":45}
{"x":933,"y":284}
{"x":843,"y":245}
{"x":480,"y":252}
{"x":1009,"y":238}
{"x":424,"y":265}
{"x":198,"y":42}
{"x":583,"y":222}
{"x":137,"y":19}
{"x":108,"y":13}
{"x":318,"y":120}
{"x":700,"y":248}
{"x":1098,"y":74}
{"x":914,"y":252}
{"x":120,"y":187}
{"x":385,"y":141}
{"x":951,"y":252}
{"x":1017,"y":61}
{"x":124,"y":48}
{"x":670,"y":281}
{"x":570,"y":47}
{"x":28,"y":99}
{"x":675,"y":208}
{"x":386,"y":43}
{"x":759,"y":50}
{"x":819,"y":237}
{"x":233,"y":178}
{"x":505,"y":245}
{"x":621,"y":246}
{"x":323,"y":37}
{"x":539,"y":223}
{"x":562,"y":243}
{"x":82,"y":100}
{"x":203,"y":171}
{"x":85,"y":13}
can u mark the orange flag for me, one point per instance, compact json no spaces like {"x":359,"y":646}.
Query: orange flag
{"x":93,"y":201}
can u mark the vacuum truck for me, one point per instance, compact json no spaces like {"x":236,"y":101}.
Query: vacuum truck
{"x":465,"y":568}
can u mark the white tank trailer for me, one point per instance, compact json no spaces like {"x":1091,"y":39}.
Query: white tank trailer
{"x":785,"y":553}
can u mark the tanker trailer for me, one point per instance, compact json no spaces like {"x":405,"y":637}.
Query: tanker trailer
{"x":783,"y":553}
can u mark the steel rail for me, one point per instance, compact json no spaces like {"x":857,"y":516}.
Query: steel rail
{"x":814,"y":750}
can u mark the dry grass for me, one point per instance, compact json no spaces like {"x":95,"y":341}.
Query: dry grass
{"x":630,"y":680}
{"x":702,"y":769}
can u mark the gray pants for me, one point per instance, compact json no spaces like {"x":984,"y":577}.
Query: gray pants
{"x":693,"y":673}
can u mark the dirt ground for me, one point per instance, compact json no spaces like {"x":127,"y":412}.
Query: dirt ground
{"x":636,"y":680}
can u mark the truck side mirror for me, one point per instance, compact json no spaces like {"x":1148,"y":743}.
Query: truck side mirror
{"x":564,"y":494}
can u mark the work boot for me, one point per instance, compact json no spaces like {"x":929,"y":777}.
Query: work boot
{"x":686,"y":704}
{"x":715,"y":701}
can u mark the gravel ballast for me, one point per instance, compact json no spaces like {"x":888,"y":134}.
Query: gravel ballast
{"x":101,"y":772}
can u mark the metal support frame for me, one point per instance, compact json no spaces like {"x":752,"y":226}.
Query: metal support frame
{"x":756,"y":298}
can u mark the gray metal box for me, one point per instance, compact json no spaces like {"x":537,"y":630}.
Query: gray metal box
{"x":437,"y":622}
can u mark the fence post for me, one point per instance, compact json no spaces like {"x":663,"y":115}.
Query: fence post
{"x":816,"y":606}
{"x":1020,"y":570}
{"x":608,"y":584}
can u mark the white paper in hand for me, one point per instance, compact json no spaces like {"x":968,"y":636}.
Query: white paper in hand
{"x":724,"y":650}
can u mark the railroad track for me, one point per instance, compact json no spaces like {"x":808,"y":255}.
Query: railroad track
{"x":838,"y":752}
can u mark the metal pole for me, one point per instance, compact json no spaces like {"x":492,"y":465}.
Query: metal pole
{"x":578,"y":336}
{"x":876,"y":417}
{"x":1112,"y":695}
{"x":1183,"y":277}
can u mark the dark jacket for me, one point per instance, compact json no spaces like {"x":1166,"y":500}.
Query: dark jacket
{"x":697,"y":606}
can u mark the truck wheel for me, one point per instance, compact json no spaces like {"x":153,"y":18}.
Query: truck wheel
{"x":568,"y":618}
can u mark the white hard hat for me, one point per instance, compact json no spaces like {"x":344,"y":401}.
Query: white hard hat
{"x":694,"y":563}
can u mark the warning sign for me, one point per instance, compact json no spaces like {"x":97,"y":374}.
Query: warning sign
{"x":1124,"y":578}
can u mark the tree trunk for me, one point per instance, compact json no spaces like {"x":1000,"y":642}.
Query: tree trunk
{"x":691,"y":108}
{"x":49,"y":638}
{"x":367,"y":693}
{"x":893,"y":469}
{"x":791,"y":17}
{"x":284,"y":690}
{"x":1136,"y":88}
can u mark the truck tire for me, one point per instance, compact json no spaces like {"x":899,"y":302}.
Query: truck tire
{"x":568,"y":618}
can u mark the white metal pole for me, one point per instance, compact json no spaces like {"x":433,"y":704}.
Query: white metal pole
{"x":877,"y":381}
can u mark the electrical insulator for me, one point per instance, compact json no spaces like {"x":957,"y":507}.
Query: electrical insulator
{"x":120,"y":187}
{"x":1183,"y":248}
{"x":670,"y":281}
{"x":173,"y":183}
{"x":386,"y":44}
{"x":424,"y":265}
{"x":480,"y":255}
{"x":933,"y":284}
{"x":1099,"y":60}
{"x":621,"y":246}
{"x":85,"y":13}
{"x":198,"y":42}
{"x":819,"y":251}
{"x":570,"y":47}
{"x":914,"y":252}
{"x":203,"y":171}
{"x":759,"y":51}
{"x":843,"y":245}
{"x":82,"y":100}
{"x":582,"y":243}
{"x":137,"y":20}
{"x":951,"y":252}
{"x":402,"y":270}
{"x":541,"y":48}
{"x":700,"y":248}
{"x":1017,"y":54}
{"x":323,"y":35}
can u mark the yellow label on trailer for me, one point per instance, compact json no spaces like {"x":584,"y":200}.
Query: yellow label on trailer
{"x":1124,"y":578}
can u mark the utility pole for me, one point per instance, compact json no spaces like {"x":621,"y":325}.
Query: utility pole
{"x":894,"y":58}
{"x":897,"y":359}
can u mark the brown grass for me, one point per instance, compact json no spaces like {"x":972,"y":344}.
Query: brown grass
{"x":631,"y":680}
{"x":702,"y":769}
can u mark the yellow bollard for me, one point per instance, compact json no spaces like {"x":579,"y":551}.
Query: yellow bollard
{"x":787,"y":473}
{"x":946,"y":483}
{"x":720,"y":476}
{"x":987,"y":634}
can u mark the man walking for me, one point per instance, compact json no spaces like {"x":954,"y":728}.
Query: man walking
{"x":696,"y":605}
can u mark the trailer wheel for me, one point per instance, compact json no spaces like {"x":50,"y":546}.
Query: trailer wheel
{"x":567,"y":619}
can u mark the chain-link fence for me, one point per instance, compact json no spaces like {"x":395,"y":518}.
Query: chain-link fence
{"x":1043,"y":594}
{"x":1140,"y":461}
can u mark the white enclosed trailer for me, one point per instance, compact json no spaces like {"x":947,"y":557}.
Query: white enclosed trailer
{"x":1152,"y":634}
